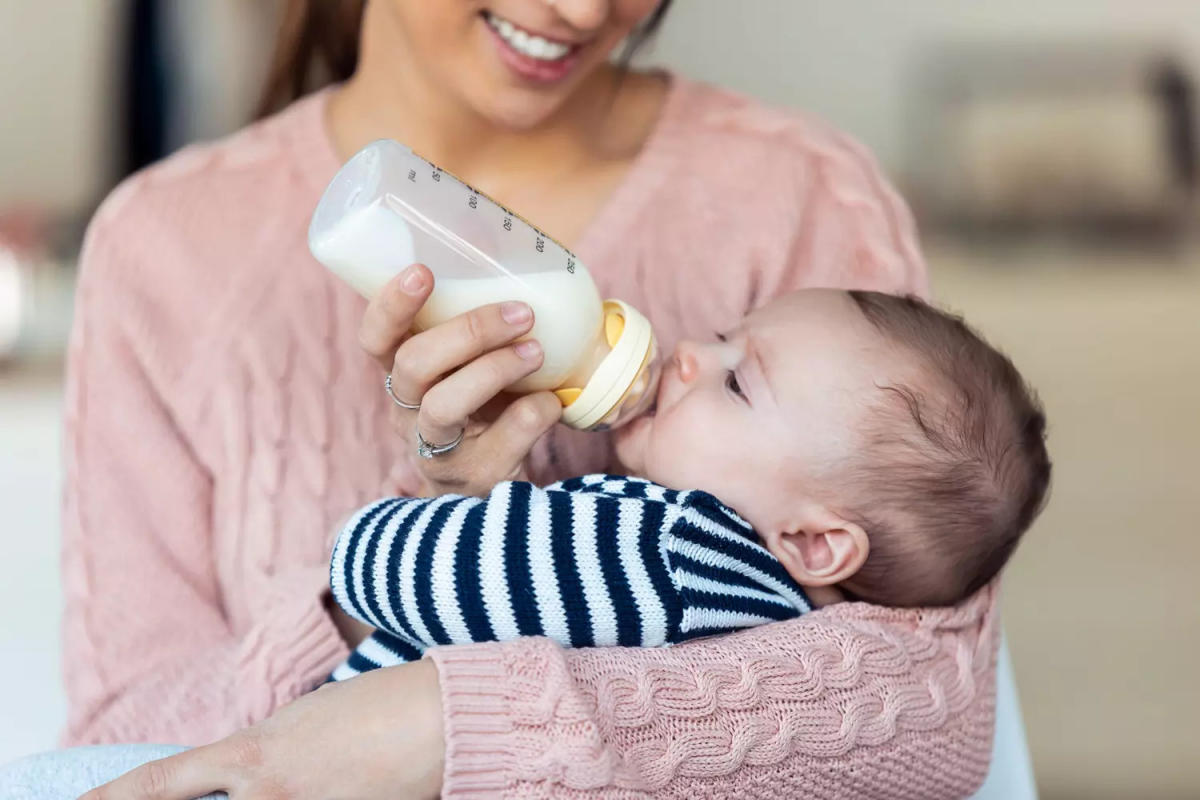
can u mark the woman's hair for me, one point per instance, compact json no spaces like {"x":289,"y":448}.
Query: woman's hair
{"x":318,"y":44}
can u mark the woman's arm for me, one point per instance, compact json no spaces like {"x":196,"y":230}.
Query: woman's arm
{"x":377,"y":737}
{"x":852,"y":700}
{"x":148,"y":652}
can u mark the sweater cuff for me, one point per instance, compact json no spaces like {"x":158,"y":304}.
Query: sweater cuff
{"x":476,"y":718}
{"x":297,"y":644}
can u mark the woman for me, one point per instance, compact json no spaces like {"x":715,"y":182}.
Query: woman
{"x":223,"y":418}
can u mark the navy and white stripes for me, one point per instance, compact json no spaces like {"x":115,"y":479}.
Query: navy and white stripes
{"x":593,"y":561}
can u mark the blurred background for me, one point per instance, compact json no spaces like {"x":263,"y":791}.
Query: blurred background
{"x":1050,"y":153}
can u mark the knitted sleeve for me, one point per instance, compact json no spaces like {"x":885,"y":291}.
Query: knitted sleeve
{"x":848,"y":227}
{"x":600,"y":560}
{"x":851,"y":701}
{"x":148,"y":652}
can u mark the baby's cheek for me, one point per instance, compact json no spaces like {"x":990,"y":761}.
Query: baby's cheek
{"x":682,"y":447}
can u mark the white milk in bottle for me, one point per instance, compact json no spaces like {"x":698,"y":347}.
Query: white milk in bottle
{"x":567,"y":313}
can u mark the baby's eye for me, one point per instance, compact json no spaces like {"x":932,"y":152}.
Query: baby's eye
{"x":721,"y":337}
{"x":731,"y":383}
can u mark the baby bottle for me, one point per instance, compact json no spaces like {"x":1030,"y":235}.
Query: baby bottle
{"x":388,"y":208}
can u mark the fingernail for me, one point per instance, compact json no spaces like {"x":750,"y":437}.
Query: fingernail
{"x":515,"y":313}
{"x":528,"y":349}
{"x":413,"y":281}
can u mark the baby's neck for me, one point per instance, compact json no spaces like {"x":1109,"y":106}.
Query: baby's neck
{"x":824,"y":595}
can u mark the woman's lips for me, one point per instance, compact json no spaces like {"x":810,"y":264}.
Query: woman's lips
{"x":537,"y":70}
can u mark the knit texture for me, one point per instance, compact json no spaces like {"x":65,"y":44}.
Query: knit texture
{"x":850,"y":701}
{"x":594,"y":561}
{"x":221,"y":422}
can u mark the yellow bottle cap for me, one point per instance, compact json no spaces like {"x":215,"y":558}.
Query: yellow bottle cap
{"x":621,"y":378}
{"x":568,"y":395}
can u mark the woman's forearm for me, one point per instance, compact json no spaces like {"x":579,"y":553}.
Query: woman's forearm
{"x":809,"y":708}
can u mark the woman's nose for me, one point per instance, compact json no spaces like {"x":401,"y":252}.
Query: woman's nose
{"x":582,"y":15}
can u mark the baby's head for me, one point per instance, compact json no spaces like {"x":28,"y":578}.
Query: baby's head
{"x":874,"y":442}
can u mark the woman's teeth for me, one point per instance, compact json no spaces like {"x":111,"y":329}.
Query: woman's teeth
{"x":527,"y":44}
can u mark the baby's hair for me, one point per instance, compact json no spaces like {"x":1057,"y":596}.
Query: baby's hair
{"x":954,"y":472}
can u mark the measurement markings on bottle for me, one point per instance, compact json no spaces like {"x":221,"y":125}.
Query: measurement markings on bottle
{"x":508,"y":215}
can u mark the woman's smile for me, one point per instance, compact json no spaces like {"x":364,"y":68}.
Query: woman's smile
{"x":532,"y":56}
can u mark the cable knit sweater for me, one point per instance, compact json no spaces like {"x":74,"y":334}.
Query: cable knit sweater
{"x":222,"y":420}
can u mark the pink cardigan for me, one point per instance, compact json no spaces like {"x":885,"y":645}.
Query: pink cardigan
{"x":221,"y":420}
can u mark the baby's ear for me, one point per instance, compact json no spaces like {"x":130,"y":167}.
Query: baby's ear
{"x":820,"y":548}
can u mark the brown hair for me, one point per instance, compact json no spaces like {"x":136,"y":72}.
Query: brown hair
{"x":318,"y":43}
{"x":954,"y":473}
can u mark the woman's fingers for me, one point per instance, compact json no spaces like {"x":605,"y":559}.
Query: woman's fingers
{"x":511,"y":437}
{"x":449,"y":404}
{"x":423,"y":359}
{"x":454,"y":371}
{"x":192,"y":773}
{"x":390,"y":315}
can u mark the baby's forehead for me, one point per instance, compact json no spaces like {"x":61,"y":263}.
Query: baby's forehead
{"x":798,"y":306}
{"x":810,"y":317}
{"x":819,"y":338}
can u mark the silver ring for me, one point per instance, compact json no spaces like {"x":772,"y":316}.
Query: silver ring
{"x":427,"y":450}
{"x":387,"y":387}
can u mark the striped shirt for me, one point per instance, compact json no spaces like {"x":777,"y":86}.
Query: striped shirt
{"x":595,"y":561}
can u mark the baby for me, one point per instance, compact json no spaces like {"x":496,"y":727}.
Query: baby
{"x":862,"y":446}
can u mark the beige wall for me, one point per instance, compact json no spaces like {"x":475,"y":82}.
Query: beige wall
{"x":1100,"y":602}
{"x":851,"y":60}
{"x":55,"y":73}
{"x":58,"y":86}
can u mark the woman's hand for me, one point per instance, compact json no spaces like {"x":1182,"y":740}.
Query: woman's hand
{"x":455,"y":371}
{"x":374,"y":737}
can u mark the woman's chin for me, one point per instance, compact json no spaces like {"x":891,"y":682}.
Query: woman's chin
{"x":518,"y":109}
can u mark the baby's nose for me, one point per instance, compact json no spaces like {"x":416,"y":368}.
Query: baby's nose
{"x":687,"y":361}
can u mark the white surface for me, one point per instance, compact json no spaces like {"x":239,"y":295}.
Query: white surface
{"x":32,"y":705}
{"x":1011,"y":774}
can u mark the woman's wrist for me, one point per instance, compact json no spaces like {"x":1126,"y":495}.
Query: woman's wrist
{"x":420,"y":686}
